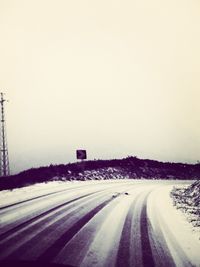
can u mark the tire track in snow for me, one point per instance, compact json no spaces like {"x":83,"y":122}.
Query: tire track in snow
{"x":50,"y":253}
{"x":88,"y":248}
{"x":42,"y":196}
{"x":32,"y":200}
{"x":28,"y":251}
{"x":7,"y":232}
{"x":12,"y":219}
{"x":25,"y":226}
{"x":63,"y":241}
{"x":147,"y":255}
{"x":125,"y":246}
{"x":95,"y":229}
{"x":134,"y":248}
{"x":5,"y":208}
{"x":22,"y":210}
{"x":30,"y":230}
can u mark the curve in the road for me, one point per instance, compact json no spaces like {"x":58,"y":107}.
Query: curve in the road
{"x":103,"y":225}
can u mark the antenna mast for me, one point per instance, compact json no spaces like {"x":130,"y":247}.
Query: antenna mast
{"x":4,"y":160}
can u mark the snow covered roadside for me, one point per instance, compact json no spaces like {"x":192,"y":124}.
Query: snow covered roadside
{"x":182,"y":238}
{"x":187,"y":199}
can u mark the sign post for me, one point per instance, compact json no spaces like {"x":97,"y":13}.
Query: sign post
{"x":81,"y":155}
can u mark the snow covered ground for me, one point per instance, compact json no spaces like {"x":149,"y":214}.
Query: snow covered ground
{"x":186,"y":200}
{"x":168,"y":228}
{"x":8,"y":197}
{"x":175,"y":224}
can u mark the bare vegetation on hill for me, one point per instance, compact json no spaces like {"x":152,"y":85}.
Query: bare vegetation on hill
{"x":187,"y":199}
{"x":127,"y":168}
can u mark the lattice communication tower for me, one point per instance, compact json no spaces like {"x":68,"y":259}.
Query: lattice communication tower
{"x":4,"y":160}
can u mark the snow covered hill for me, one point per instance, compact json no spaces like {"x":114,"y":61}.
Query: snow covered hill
{"x":127,"y":168}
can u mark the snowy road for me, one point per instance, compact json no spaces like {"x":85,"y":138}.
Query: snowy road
{"x":102,"y":223}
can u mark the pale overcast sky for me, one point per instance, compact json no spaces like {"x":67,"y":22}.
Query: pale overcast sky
{"x":117,"y":78}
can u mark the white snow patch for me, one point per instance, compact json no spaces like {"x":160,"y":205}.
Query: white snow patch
{"x":174,"y":224}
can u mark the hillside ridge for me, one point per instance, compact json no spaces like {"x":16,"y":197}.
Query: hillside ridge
{"x":129,"y":168}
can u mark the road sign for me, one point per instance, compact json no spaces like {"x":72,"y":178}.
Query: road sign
{"x":81,"y":154}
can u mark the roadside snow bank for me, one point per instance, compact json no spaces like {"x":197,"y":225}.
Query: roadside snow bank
{"x":181,"y":238}
{"x":187,"y":199}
